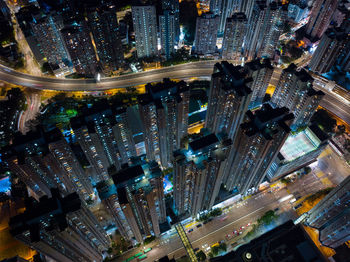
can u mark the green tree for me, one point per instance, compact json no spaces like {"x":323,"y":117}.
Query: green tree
{"x":223,"y":247}
{"x":46,"y":68}
{"x":267,"y":218}
{"x":215,"y":250}
{"x":307,"y":169}
{"x":201,"y":255}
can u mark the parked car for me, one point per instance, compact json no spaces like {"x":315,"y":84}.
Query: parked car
{"x":189,"y":231}
{"x":199,"y":225}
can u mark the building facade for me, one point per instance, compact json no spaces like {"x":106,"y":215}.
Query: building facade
{"x":266,"y":26}
{"x":145,"y":26}
{"x":260,"y":71}
{"x":104,"y":27}
{"x":174,"y":7}
{"x":294,"y":91}
{"x":140,"y":198}
{"x":320,"y":17}
{"x":80,"y":48}
{"x":331,"y":216}
{"x":259,"y":139}
{"x":206,"y":34}
{"x":47,"y":33}
{"x":61,"y":228}
{"x":164,"y":115}
{"x":229,"y":98}
{"x":331,"y":46}
{"x":167,"y":33}
{"x":234,"y":37}
{"x":198,"y":173}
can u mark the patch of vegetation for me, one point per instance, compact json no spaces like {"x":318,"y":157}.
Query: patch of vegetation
{"x":268,"y":218}
{"x":149,"y":240}
{"x":216,"y":249}
{"x":201,"y":255}
{"x":286,"y":180}
{"x":213,"y":213}
{"x":19,"y":64}
{"x":180,"y":57}
{"x":46,"y":68}
{"x":307,"y":170}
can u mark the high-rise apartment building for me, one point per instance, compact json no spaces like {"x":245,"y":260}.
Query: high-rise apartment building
{"x":261,"y":73}
{"x":26,"y":159}
{"x":246,"y":7}
{"x":61,"y":228}
{"x":102,"y":21}
{"x":294,"y":91}
{"x":229,"y":98}
{"x":174,"y":7}
{"x":297,"y":10}
{"x":234,"y":36}
{"x":141,"y":198}
{"x":332,"y":44}
{"x":145,"y":26}
{"x":80,"y":48}
{"x":331,"y":216}
{"x":198,"y":173}
{"x":266,"y":25}
{"x":45,"y":160}
{"x":257,"y":143}
{"x":164,"y":114}
{"x":206,"y":34}
{"x":123,"y":135}
{"x":47,"y":32}
{"x":320,"y":17}
{"x":107,"y":192}
{"x":167,"y":33}
{"x":84,"y":135}
{"x":224,"y":9}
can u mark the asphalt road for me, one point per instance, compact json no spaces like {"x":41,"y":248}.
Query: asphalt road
{"x":196,"y":69}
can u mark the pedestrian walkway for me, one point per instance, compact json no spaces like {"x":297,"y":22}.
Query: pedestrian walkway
{"x":186,"y":242}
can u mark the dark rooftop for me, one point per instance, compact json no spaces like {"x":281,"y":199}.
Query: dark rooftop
{"x":232,"y":78}
{"x":319,"y":133}
{"x":261,"y":120}
{"x":127,"y":174}
{"x":203,"y":142}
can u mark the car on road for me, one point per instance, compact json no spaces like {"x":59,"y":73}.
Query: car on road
{"x":297,"y":206}
{"x":189,"y":231}
{"x":199,"y":225}
{"x":224,"y":218}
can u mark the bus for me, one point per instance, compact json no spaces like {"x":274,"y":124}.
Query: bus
{"x":142,"y":257}
{"x":138,"y":254}
{"x":147,"y":250}
{"x":216,"y":244}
